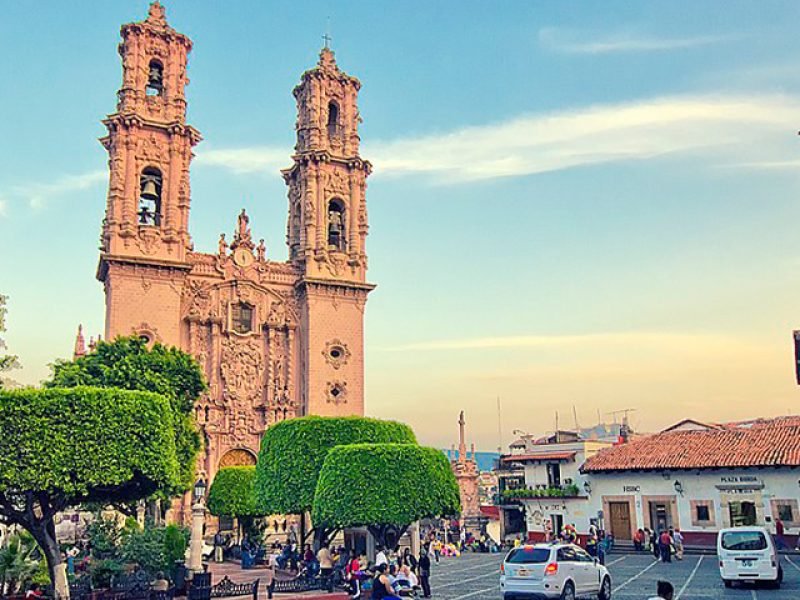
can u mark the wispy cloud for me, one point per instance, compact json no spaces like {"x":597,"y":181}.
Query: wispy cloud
{"x":246,"y":160}
{"x":37,"y":194}
{"x":723,"y":127}
{"x":569,"y":41}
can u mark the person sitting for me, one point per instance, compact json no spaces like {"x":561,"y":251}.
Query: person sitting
{"x":381,"y":588}
{"x":34,"y":593}
{"x":160,"y":584}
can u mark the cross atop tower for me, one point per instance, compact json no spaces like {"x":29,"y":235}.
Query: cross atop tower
{"x":327,"y":39}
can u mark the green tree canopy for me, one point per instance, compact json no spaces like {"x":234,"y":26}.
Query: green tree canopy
{"x":384,"y":487}
{"x":232,"y":493}
{"x":127,"y":363}
{"x":61,"y":447}
{"x":293,"y":451}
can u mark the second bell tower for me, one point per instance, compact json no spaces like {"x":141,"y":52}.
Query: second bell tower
{"x":326,"y":234}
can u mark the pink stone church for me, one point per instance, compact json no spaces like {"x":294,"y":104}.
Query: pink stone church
{"x":276,"y":339}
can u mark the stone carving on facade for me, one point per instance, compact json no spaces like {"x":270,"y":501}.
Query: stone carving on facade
{"x":242,"y":367}
{"x":336,"y":392}
{"x":336,"y":353}
{"x":149,"y":240}
{"x":198,"y":300}
{"x":339,"y":182}
{"x":147,"y":332}
{"x":152,"y":151}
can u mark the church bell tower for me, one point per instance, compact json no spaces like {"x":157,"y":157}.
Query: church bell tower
{"x":145,"y":235}
{"x":326,"y":235}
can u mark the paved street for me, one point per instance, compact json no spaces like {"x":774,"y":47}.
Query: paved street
{"x":475,"y":576}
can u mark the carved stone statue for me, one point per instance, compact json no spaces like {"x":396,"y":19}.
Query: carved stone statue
{"x":261,"y":251}
{"x":223,"y":245}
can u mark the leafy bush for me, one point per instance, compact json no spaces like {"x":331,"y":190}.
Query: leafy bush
{"x":103,"y":571}
{"x":128,"y":363}
{"x":384,"y":484}
{"x":293,"y":452}
{"x":176,"y":539}
{"x":567,"y":491}
{"x":20,"y":563}
{"x":232,"y":493}
{"x":104,"y":537}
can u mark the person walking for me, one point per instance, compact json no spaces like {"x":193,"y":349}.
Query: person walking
{"x":664,"y":591}
{"x":780,"y":541}
{"x":424,"y":565}
{"x":677,"y":538}
{"x":665,"y":544}
{"x":654,"y":544}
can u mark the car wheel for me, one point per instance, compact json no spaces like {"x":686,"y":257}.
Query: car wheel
{"x":780,"y":575}
{"x":605,"y":590}
{"x":568,"y":593}
{"x":728,"y":583}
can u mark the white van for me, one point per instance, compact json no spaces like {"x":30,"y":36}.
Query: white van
{"x":748,"y":554}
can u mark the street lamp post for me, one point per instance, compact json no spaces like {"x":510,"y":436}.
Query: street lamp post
{"x":198,"y":518}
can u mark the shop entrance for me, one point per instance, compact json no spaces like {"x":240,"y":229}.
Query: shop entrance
{"x":743,"y":514}
{"x":660,"y":516}
{"x":619,"y":514}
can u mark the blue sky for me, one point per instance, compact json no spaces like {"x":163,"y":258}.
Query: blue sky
{"x":574,"y":204}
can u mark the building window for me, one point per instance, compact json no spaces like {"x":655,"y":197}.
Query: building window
{"x":155,"y":79}
{"x":702,"y":512}
{"x":150,"y":186}
{"x":336,"y":231}
{"x":553,"y":475}
{"x":242,"y":317}
{"x":787,"y":511}
{"x":742,"y":514}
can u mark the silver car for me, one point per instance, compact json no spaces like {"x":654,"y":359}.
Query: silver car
{"x":556,"y":570}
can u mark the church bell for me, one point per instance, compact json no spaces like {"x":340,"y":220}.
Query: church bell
{"x":149,"y":190}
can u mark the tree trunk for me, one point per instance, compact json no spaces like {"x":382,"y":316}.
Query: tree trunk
{"x":44,"y":532}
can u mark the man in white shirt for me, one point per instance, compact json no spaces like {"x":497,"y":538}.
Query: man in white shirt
{"x":664,"y":590}
{"x":380,"y":557}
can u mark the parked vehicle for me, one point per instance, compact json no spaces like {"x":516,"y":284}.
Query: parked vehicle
{"x":748,"y":554}
{"x":555,"y":570}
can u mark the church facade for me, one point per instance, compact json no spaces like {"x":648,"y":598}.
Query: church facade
{"x":276,"y":339}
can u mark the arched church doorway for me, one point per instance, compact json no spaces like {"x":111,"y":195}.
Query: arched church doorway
{"x":238,"y":457}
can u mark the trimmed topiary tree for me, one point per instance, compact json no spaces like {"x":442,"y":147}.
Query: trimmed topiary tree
{"x":62,"y":447}
{"x":293,"y":452}
{"x":384,"y":487}
{"x":232,"y":494}
{"x":128,"y":363}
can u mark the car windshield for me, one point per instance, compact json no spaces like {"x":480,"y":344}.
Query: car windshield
{"x":744,"y":540}
{"x":528,"y":556}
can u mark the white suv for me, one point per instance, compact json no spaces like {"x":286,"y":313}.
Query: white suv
{"x":555,"y":570}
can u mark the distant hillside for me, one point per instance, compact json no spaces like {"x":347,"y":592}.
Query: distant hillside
{"x":485,"y":460}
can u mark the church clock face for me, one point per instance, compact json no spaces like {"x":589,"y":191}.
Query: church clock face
{"x":242,"y":257}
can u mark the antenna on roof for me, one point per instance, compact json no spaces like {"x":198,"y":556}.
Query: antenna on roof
{"x":575,"y":415}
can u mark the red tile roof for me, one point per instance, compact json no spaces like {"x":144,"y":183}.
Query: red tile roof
{"x":539,"y":456}
{"x":759,"y":443}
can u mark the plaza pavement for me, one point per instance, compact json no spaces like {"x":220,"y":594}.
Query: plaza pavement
{"x":476,"y":577}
